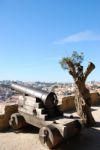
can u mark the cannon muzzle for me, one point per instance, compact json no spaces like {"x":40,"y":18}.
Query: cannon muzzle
{"x":49,"y":99}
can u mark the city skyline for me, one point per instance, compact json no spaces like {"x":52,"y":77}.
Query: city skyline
{"x":35,"y":35}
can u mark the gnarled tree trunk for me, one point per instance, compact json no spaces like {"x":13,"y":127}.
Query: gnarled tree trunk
{"x":82,"y":94}
{"x":83,"y":107}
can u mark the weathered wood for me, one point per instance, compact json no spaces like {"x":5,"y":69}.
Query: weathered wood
{"x":17,"y":121}
{"x":34,"y":120}
{"x":68,"y":128}
{"x":32,"y":109}
{"x":32,"y":114}
{"x":30,"y":104}
{"x":50,"y":136}
{"x":26,"y":100}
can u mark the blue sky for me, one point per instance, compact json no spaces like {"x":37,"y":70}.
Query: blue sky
{"x":36,"y":34}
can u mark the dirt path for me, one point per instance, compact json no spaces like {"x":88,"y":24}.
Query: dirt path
{"x":28,"y":139}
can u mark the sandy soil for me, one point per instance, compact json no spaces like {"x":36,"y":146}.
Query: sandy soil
{"x":27,"y":139}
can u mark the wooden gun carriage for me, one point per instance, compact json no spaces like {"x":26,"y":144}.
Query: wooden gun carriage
{"x":39,"y":108}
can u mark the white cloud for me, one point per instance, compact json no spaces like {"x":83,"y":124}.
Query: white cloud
{"x":81,"y":36}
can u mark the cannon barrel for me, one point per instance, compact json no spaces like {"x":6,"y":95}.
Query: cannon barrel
{"x":49,"y":99}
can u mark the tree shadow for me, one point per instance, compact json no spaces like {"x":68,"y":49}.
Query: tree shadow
{"x":89,"y":139}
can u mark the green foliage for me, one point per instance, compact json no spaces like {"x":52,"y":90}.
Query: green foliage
{"x":75,"y":58}
{"x":63,"y":62}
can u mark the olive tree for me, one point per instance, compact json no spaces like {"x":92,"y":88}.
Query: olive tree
{"x":82,"y":95}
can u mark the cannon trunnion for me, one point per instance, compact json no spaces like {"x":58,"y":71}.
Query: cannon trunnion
{"x":39,"y":108}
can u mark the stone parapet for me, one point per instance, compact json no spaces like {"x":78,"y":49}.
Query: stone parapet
{"x":68,"y":102}
{"x":6,"y":110}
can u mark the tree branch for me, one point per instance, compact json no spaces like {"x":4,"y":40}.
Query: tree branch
{"x":71,"y":68}
{"x":89,"y":69}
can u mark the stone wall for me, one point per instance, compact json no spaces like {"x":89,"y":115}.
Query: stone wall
{"x":68,"y":102}
{"x":7,"y":110}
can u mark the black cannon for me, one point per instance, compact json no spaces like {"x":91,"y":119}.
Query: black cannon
{"x":39,"y":108}
{"x":49,"y":99}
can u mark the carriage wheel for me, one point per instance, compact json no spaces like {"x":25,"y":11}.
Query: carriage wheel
{"x":50,"y":136}
{"x":17,"y":121}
